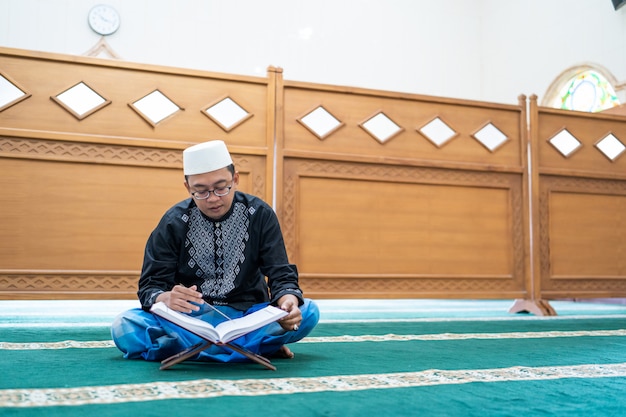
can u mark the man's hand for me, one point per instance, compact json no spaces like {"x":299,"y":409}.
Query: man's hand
{"x":181,"y":298}
{"x":289,"y":303}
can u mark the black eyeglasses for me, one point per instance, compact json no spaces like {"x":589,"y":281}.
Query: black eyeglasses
{"x":219,"y":192}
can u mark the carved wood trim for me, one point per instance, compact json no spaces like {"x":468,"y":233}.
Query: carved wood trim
{"x":57,"y":150}
{"x":68,"y":284}
{"x":370,"y":287}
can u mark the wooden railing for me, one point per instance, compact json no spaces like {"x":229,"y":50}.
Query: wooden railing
{"x":380,"y":194}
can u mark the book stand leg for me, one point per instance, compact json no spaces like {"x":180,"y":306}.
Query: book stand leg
{"x":184,"y":355}
{"x":197,"y":348}
{"x":261,"y":360}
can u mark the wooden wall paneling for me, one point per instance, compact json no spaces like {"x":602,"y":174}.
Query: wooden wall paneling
{"x":81,"y":195}
{"x":588,"y":128}
{"x":351,"y":142}
{"x":362,"y":230}
{"x":582,"y":201}
{"x":583,"y":235}
{"x":65,"y":215}
{"x":123,"y":83}
{"x":403,"y":218}
{"x":362,"y":217}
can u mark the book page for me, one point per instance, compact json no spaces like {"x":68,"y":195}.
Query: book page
{"x":196,"y":326}
{"x":230,"y":330}
{"x":225,"y":331}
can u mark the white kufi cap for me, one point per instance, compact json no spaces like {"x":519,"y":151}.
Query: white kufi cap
{"x":206,"y":157}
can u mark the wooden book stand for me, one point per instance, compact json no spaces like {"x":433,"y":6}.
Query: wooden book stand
{"x":199,"y":347}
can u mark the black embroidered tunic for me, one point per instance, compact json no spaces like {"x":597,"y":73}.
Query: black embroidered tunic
{"x":227,"y":259}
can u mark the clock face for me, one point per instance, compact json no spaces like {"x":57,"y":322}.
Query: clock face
{"x":104,"y":19}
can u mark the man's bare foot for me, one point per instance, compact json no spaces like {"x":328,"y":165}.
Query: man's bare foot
{"x":283,"y":353}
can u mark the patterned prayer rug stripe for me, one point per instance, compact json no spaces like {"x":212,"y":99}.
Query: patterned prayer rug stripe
{"x":473,"y":319}
{"x":463,"y":336}
{"x":210,"y":388}
{"x":66,"y":344}
{"x":347,"y":339}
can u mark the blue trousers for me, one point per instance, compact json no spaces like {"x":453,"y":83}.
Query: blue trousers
{"x":142,"y":335}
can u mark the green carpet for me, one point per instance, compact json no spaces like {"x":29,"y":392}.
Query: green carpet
{"x":394,"y":364}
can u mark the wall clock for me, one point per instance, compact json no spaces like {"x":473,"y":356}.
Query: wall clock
{"x":103,"y":19}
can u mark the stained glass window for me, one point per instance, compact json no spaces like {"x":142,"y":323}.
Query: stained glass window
{"x":588,"y":91}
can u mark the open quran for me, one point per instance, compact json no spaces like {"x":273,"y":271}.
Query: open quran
{"x":222,"y":334}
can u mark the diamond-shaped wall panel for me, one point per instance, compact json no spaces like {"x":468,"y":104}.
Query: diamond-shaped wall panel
{"x":381,"y":127}
{"x":565,"y":143}
{"x":437,"y":131}
{"x":611,"y":147}
{"x":10,"y":92}
{"x":80,"y":100}
{"x":320,"y":122}
{"x":490,"y":137}
{"x":226,"y":113}
{"x":155,"y":107}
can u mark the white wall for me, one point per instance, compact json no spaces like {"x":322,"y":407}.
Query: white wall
{"x":487,"y":50}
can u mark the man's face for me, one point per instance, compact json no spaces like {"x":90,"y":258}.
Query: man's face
{"x":214,"y":207}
